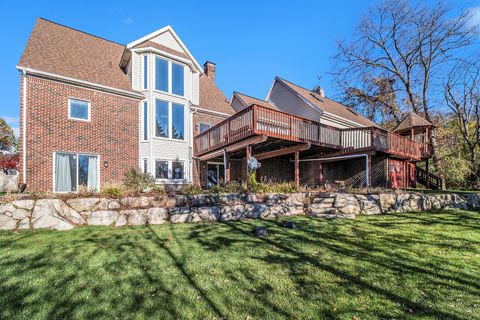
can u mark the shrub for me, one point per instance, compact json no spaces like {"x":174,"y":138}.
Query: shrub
{"x":112,"y":191}
{"x":191,"y":189}
{"x":138,"y":181}
{"x":158,"y":189}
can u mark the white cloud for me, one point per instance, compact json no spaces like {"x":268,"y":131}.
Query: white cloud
{"x":128,"y":20}
{"x":475,"y":18}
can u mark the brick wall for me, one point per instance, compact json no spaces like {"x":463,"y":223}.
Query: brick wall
{"x":112,"y":132}
{"x":199,"y":174}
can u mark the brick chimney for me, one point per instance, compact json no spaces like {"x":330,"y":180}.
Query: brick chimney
{"x":209,"y":69}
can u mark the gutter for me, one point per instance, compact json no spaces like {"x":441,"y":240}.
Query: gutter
{"x":367,"y":173}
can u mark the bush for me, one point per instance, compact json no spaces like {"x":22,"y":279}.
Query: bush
{"x":191,"y":189}
{"x":112,"y":191}
{"x":158,"y":189}
{"x":138,"y":181}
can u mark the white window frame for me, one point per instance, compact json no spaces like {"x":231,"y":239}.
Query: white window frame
{"x":144,"y":166}
{"x":145,"y":73}
{"x":170,"y":121}
{"x":147,"y":123}
{"x":170,"y":171}
{"x":169,"y":76}
{"x":70,"y":107}
{"x":76,"y":172}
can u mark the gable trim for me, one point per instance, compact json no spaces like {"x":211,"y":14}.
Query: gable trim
{"x":175,"y":36}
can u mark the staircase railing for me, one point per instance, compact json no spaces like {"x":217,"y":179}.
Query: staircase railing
{"x":428,"y":179}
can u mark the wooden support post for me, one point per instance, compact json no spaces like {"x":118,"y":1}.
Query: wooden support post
{"x":226,"y":165}
{"x":412,"y":134}
{"x":369,"y":166}
{"x":297,"y":169}
{"x":321,"y":173}
{"x":248,"y":154}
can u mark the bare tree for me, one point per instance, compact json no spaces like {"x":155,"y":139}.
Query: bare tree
{"x":462,"y":96}
{"x":411,"y":45}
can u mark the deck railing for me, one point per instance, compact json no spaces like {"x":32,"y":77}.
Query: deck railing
{"x":257,"y":120}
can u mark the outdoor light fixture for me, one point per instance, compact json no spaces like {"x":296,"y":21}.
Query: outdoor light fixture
{"x":105,"y":164}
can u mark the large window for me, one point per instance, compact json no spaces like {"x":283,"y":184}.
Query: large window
{"x":162,"y":119}
{"x":73,"y":171}
{"x":79,"y":109}
{"x":169,"y":170}
{"x":178,"y":121}
{"x":161,"y":74}
{"x":170,"y":120}
{"x":177,"y":79}
{"x":145,"y":72}
{"x":145,"y":121}
{"x":169,"y":77}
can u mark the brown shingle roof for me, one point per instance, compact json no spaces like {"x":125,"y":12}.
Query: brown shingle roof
{"x":212,"y":98}
{"x":412,"y":120}
{"x":160,"y":47}
{"x":248,"y":101}
{"x":60,"y":50}
{"x":329,"y":105}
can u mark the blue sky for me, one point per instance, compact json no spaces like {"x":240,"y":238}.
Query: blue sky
{"x":250,"y":41}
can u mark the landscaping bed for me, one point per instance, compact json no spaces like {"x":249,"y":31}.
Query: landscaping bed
{"x":397,"y":266}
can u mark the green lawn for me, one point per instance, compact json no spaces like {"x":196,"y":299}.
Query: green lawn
{"x":405,"y":266}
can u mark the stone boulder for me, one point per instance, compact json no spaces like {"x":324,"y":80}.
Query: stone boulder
{"x":54,"y":214}
{"x":7,"y":223}
{"x":347,"y":204}
{"x":157,"y":216}
{"x":83,"y":204}
{"x":388,"y":202}
{"x":103,"y":218}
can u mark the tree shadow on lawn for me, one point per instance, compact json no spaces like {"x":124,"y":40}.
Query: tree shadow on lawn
{"x":333,"y":242}
{"x":99,"y":274}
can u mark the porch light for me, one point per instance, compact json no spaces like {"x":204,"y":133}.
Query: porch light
{"x":105,"y":164}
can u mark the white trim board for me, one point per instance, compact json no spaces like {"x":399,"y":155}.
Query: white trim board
{"x":175,"y":36}
{"x":90,"y":85}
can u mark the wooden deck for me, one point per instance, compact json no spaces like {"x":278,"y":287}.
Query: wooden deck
{"x":257,"y":120}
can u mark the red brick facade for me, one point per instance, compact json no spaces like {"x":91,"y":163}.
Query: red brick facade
{"x":112,"y":132}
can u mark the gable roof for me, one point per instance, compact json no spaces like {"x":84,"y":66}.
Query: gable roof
{"x":212,"y":98}
{"x":326,"y":104}
{"x":168,"y":28}
{"x":249,"y":100}
{"x":59,"y":50}
{"x":412,"y":120}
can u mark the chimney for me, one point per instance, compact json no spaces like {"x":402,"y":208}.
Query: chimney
{"x":209,"y":69}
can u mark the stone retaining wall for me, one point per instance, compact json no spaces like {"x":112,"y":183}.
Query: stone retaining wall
{"x":145,"y":210}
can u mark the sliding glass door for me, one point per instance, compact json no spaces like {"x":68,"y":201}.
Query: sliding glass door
{"x":73,"y":171}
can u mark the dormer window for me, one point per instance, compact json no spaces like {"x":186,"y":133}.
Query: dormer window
{"x":169,"y":77}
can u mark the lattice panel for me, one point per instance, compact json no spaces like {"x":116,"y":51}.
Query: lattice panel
{"x":310,"y":174}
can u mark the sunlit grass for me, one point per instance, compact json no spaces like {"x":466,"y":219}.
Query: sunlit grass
{"x":389,"y":267}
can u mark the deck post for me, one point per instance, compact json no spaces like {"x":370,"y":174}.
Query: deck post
{"x":369,"y":168}
{"x":248,"y":154}
{"x":412,"y":135}
{"x":320,"y":167}
{"x":226,"y":165}
{"x":297,"y":169}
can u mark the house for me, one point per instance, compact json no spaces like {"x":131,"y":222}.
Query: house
{"x":304,"y":136}
{"x":91,"y":109}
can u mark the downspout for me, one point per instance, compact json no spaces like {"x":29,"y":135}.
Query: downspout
{"x":192,"y":112}
{"x":24,"y":128}
{"x":367,"y":173}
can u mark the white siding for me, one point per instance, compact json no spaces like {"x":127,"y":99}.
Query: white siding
{"x":237,"y":105}
{"x":285,"y":100}
{"x":166,"y":39}
{"x":162,"y":148}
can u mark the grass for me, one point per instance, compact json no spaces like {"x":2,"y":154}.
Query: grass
{"x":422,"y":266}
